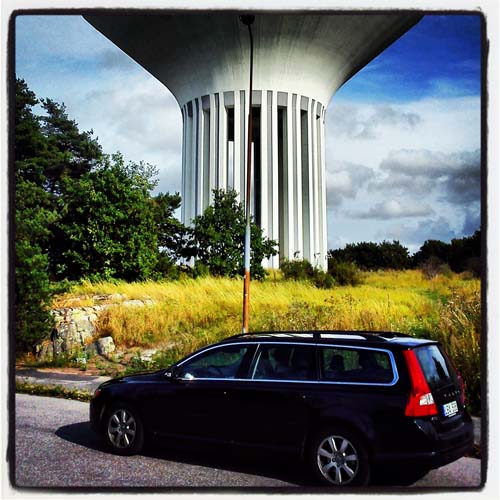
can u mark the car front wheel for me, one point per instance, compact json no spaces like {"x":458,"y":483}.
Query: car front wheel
{"x":124,"y":432}
{"x":338,"y":458}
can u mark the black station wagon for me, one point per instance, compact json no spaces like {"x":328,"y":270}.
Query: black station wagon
{"x":347,"y":403}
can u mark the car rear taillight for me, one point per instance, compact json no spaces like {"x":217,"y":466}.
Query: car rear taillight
{"x":420,"y":403}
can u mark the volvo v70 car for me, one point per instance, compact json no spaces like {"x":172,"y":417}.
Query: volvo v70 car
{"x":343,"y":402}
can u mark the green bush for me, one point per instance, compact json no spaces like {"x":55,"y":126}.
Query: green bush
{"x":323,"y":280}
{"x":166,"y":268}
{"x":299,"y":270}
{"x":302,"y":270}
{"x":200,"y":270}
{"x":344,"y":273}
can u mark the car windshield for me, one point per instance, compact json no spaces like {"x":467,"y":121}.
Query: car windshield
{"x":221,"y":362}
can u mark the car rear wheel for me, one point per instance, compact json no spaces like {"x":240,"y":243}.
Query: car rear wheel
{"x":124,"y":432}
{"x":338,"y":458}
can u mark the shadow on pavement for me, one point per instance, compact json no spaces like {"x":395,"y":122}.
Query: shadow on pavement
{"x":254,"y":462}
{"x":240,"y":460}
{"x":43,"y":374}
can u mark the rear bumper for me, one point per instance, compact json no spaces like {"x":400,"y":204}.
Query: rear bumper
{"x":440,"y":449}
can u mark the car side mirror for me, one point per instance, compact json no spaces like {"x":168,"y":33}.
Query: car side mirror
{"x":174,"y":374}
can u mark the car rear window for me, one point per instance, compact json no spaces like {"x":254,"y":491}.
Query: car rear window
{"x":356,"y":365}
{"x":437,"y":369}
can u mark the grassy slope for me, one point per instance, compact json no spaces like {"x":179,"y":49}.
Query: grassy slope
{"x":189,"y":314}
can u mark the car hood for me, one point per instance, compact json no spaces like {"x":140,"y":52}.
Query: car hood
{"x":136,"y":377}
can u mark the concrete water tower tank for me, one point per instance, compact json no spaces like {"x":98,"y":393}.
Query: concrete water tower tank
{"x":300,"y":60}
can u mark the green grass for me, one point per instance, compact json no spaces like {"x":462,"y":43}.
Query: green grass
{"x":188,"y":314}
{"x":53,"y":391}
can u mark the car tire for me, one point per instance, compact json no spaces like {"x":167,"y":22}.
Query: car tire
{"x":123,"y":430}
{"x":338,"y":458}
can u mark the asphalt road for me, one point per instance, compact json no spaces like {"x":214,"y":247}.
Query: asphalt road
{"x":55,"y":447}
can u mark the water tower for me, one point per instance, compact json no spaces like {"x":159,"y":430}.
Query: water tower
{"x":300,"y":60}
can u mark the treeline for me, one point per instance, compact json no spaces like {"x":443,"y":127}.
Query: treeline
{"x":83,"y":214}
{"x":434,"y":256}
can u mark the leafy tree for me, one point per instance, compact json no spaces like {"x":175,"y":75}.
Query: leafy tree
{"x":174,"y":239}
{"x":34,"y":217}
{"x":393,"y":255}
{"x":70,"y":153}
{"x":465,"y":254}
{"x":218,"y":238}
{"x":432,"y":248}
{"x":371,"y":256}
{"x":107,"y":227}
{"x":461,"y":254}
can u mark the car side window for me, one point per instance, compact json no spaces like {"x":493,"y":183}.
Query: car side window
{"x":355,"y":365}
{"x":285,"y":362}
{"x":221,"y":362}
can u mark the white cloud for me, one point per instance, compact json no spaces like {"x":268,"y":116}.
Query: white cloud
{"x":472,"y":221}
{"x":417,"y":232}
{"x":393,"y":209}
{"x":344,"y":180}
{"x":368,"y":122}
{"x":444,"y":125}
{"x":456,"y":176}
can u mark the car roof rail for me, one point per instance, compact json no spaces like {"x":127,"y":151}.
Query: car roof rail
{"x":368,"y":335}
{"x":320,"y":334}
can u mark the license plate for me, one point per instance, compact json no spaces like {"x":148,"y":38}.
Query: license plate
{"x":450,"y":409}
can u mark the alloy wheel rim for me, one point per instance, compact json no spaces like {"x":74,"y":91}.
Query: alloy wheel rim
{"x":122,"y":428}
{"x":338,"y":460}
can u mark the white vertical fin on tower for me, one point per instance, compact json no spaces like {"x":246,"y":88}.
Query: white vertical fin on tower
{"x":290,"y":176}
{"x":213,"y":149}
{"x":265,"y":213}
{"x":323,"y":208}
{"x":184,"y":165}
{"x":274,"y":201}
{"x":310,"y":187}
{"x":192,"y":166}
{"x":299,"y":247}
{"x":315,"y":184}
{"x":222,"y":177}
{"x":199,"y":156}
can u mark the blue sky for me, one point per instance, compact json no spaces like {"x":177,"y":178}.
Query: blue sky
{"x":402,"y":136}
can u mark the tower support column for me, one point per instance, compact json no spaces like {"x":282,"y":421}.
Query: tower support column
{"x":291,"y":197}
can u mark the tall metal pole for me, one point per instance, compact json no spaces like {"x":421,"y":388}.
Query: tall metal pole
{"x":248,"y":21}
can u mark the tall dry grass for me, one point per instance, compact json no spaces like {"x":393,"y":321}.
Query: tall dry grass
{"x":189,"y":314}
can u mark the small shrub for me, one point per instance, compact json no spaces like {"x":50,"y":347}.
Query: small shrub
{"x":299,"y":270}
{"x":431,"y":267}
{"x":166,"y":268}
{"x":466,"y":276}
{"x":302,"y":270}
{"x":344,"y":273}
{"x":323,"y":280}
{"x":200,"y":270}
{"x":445,"y":271}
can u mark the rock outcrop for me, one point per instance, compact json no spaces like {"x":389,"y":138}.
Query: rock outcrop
{"x":75,"y":330}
